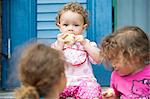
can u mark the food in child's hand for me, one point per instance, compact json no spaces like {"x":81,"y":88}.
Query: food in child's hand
{"x":110,"y":91}
{"x":69,"y":39}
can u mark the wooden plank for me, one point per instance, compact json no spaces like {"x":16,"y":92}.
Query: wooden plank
{"x":46,"y":16}
{"x":47,"y":34}
{"x":46,"y":41}
{"x":51,"y":7}
{"x":59,"y":1}
{"x":46,"y":25}
{"x":100,"y":25}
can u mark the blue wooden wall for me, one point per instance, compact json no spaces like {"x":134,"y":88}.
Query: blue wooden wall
{"x":18,"y":26}
{"x":100,"y":12}
{"x":27,"y":19}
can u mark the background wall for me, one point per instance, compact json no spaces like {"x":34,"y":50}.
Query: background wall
{"x":134,"y":12}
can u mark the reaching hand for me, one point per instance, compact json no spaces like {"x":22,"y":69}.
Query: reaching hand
{"x":60,"y":40}
{"x":109,"y":94}
{"x":80,"y":38}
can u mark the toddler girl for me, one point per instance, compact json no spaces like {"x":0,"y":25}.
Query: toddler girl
{"x":72,"y":20}
{"x":41,"y":72}
{"x":128,"y":51}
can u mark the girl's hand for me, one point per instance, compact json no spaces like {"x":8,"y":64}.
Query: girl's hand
{"x":69,"y":39}
{"x":109,"y":94}
{"x":80,"y":38}
{"x":60,"y":40}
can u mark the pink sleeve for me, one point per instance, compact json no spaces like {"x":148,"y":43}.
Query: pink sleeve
{"x":113,"y":83}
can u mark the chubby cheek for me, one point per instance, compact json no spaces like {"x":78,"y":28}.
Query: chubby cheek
{"x":123,"y":72}
{"x":79,"y":32}
{"x":62,"y":30}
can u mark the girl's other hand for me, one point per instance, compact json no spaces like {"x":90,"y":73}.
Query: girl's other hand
{"x":61,"y":36}
{"x":109,"y":94}
{"x":60,"y":40}
{"x":80,"y":38}
{"x":69,"y":39}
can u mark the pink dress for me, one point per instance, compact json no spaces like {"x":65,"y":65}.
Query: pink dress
{"x":134,"y":86}
{"x":81,"y":83}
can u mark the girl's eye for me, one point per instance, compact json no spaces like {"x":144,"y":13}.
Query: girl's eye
{"x":65,"y":24}
{"x":76,"y":24}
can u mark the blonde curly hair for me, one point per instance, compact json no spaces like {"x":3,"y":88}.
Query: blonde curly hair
{"x":131,"y":41}
{"x":74,"y":7}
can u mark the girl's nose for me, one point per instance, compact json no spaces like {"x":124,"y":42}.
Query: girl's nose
{"x":70,"y":28}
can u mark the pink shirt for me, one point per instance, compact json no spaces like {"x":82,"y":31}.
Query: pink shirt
{"x":80,"y":66}
{"x":135,"y":86}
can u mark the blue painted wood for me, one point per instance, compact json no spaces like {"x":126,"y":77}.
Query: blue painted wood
{"x":47,"y":33}
{"x":5,"y":31}
{"x":46,"y":40}
{"x":59,"y":1}
{"x":46,"y":25}
{"x":101,"y":25}
{"x":21,"y":27}
{"x":50,"y":7}
{"x":23,"y":15}
{"x":46,"y":16}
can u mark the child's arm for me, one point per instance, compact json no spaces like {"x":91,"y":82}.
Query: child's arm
{"x":93,"y":51}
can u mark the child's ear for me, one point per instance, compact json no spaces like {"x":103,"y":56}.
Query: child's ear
{"x":85,"y":26}
{"x":58,"y":24}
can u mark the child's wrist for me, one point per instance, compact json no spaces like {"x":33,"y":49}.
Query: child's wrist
{"x":60,"y":45}
{"x":83,"y":42}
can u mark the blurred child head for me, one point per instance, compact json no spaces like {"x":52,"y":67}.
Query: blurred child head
{"x":72,"y":18}
{"x":41,"y":72}
{"x":127,"y":49}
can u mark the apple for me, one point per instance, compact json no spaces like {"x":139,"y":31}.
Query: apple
{"x":69,"y":39}
{"x":110,"y":91}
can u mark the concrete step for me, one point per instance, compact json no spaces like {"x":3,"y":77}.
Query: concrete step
{"x":10,"y":94}
{"x":6,"y":95}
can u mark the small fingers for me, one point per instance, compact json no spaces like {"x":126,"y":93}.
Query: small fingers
{"x":108,"y":93}
{"x":79,"y":38}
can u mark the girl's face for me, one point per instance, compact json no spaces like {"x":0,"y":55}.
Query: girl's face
{"x":72,"y":23}
{"x":123,"y":67}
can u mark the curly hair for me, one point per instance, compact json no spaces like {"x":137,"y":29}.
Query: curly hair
{"x":131,"y":41}
{"x":74,"y":7}
{"x":40,"y":68}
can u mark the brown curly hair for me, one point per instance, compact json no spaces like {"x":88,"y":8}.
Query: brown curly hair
{"x":40,"y":68}
{"x":74,"y":7}
{"x":131,"y":41}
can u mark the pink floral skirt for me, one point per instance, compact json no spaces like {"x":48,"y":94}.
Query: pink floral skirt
{"x":87,"y":89}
